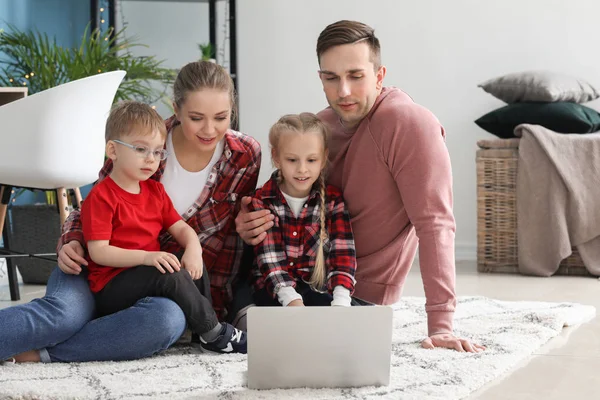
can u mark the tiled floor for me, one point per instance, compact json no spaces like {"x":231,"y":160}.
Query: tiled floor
{"x":566,"y":367}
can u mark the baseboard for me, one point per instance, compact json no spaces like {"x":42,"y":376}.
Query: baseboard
{"x":462,"y":252}
{"x":465,"y":251}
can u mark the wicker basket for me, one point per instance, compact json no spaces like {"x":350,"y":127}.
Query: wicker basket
{"x":34,"y":229}
{"x":497,"y":251}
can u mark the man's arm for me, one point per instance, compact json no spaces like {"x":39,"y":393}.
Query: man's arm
{"x":252,"y":225}
{"x":420,"y":163}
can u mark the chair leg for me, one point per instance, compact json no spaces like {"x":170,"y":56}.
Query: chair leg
{"x":63,"y":204}
{"x":3,"y":207}
{"x":13,"y":283}
{"x":78,"y":197}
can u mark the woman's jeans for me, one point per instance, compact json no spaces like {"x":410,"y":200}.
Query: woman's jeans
{"x":62,"y":327}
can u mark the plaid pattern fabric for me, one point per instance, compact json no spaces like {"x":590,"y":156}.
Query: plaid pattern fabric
{"x":289,"y":251}
{"x":212,"y":215}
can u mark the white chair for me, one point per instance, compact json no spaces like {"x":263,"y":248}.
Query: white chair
{"x":54,"y":140}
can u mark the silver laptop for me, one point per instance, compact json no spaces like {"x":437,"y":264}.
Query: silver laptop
{"x":319,"y":347}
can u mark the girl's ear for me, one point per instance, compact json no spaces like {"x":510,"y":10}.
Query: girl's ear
{"x":111,"y":150}
{"x":275,"y":158}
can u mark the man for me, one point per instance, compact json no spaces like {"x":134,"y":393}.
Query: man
{"x":389,"y":158}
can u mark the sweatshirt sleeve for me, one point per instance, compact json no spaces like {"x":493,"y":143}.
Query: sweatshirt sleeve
{"x":420,"y":163}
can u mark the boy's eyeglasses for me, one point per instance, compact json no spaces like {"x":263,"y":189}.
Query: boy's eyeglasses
{"x":144,"y":152}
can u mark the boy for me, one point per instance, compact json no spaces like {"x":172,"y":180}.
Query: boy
{"x":122,"y":218}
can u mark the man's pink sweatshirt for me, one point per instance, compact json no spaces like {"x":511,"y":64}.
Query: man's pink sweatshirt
{"x":395,"y":174}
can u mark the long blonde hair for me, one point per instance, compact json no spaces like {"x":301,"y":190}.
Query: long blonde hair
{"x":302,"y":123}
{"x":200,"y":75}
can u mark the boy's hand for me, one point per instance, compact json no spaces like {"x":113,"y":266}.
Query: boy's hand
{"x":162,"y":261}
{"x":192,"y":262}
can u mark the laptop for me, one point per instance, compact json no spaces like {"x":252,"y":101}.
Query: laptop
{"x":319,"y":347}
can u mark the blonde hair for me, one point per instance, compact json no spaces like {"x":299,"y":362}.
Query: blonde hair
{"x":133,"y":117}
{"x":349,"y":32}
{"x":302,"y":123}
{"x":200,"y":75}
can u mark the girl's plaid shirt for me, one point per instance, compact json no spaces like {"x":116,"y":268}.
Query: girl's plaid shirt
{"x":212,"y":215}
{"x":289,"y":251}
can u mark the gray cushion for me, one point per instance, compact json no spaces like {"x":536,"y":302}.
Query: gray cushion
{"x":540,"y":86}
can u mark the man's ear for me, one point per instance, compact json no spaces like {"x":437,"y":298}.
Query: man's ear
{"x":325,"y":161}
{"x":111,"y":150}
{"x":380,"y":75}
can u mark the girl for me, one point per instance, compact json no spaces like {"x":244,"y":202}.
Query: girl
{"x":209,"y":168}
{"x":308,"y":256}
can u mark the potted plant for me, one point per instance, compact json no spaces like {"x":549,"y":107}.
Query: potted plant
{"x":33,"y":59}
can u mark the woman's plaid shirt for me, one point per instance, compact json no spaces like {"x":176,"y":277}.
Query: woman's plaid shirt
{"x":212,"y":215}
{"x":289,"y":251}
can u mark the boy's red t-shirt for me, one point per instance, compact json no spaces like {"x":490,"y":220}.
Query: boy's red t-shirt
{"x":126,"y":220}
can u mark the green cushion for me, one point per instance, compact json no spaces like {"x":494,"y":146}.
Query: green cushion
{"x":563,"y":117}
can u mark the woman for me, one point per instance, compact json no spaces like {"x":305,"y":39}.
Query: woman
{"x":209,"y":168}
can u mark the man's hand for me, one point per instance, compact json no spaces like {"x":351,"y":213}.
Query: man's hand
{"x":449,"y":341}
{"x":191,"y":261}
{"x":70,"y":258}
{"x":252,"y":226}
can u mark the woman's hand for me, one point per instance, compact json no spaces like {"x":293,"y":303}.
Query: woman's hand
{"x":71,"y":257}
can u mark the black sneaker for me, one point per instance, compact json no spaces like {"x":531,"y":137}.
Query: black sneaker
{"x":230,"y":340}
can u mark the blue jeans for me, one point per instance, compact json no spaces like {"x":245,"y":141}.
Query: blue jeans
{"x":62,"y":327}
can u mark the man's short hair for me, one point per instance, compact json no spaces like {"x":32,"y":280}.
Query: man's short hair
{"x":129,"y":117}
{"x":349,"y":32}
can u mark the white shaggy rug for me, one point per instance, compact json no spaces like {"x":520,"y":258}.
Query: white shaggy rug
{"x":510,"y":330}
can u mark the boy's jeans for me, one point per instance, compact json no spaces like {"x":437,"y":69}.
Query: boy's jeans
{"x":62,"y":327}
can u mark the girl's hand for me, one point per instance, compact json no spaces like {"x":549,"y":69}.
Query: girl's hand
{"x":296,"y":303}
{"x":162,"y":261}
{"x":192,"y":263}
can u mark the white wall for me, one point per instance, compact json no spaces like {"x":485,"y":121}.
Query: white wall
{"x":437,"y":51}
{"x":172,"y":31}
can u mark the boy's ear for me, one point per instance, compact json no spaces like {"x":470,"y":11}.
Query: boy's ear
{"x":111,"y":151}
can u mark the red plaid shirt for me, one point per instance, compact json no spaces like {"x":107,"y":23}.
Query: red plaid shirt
{"x":213,"y":214}
{"x":289,"y":251}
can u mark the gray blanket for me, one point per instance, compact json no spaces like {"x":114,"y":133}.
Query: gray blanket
{"x":558,"y":199}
